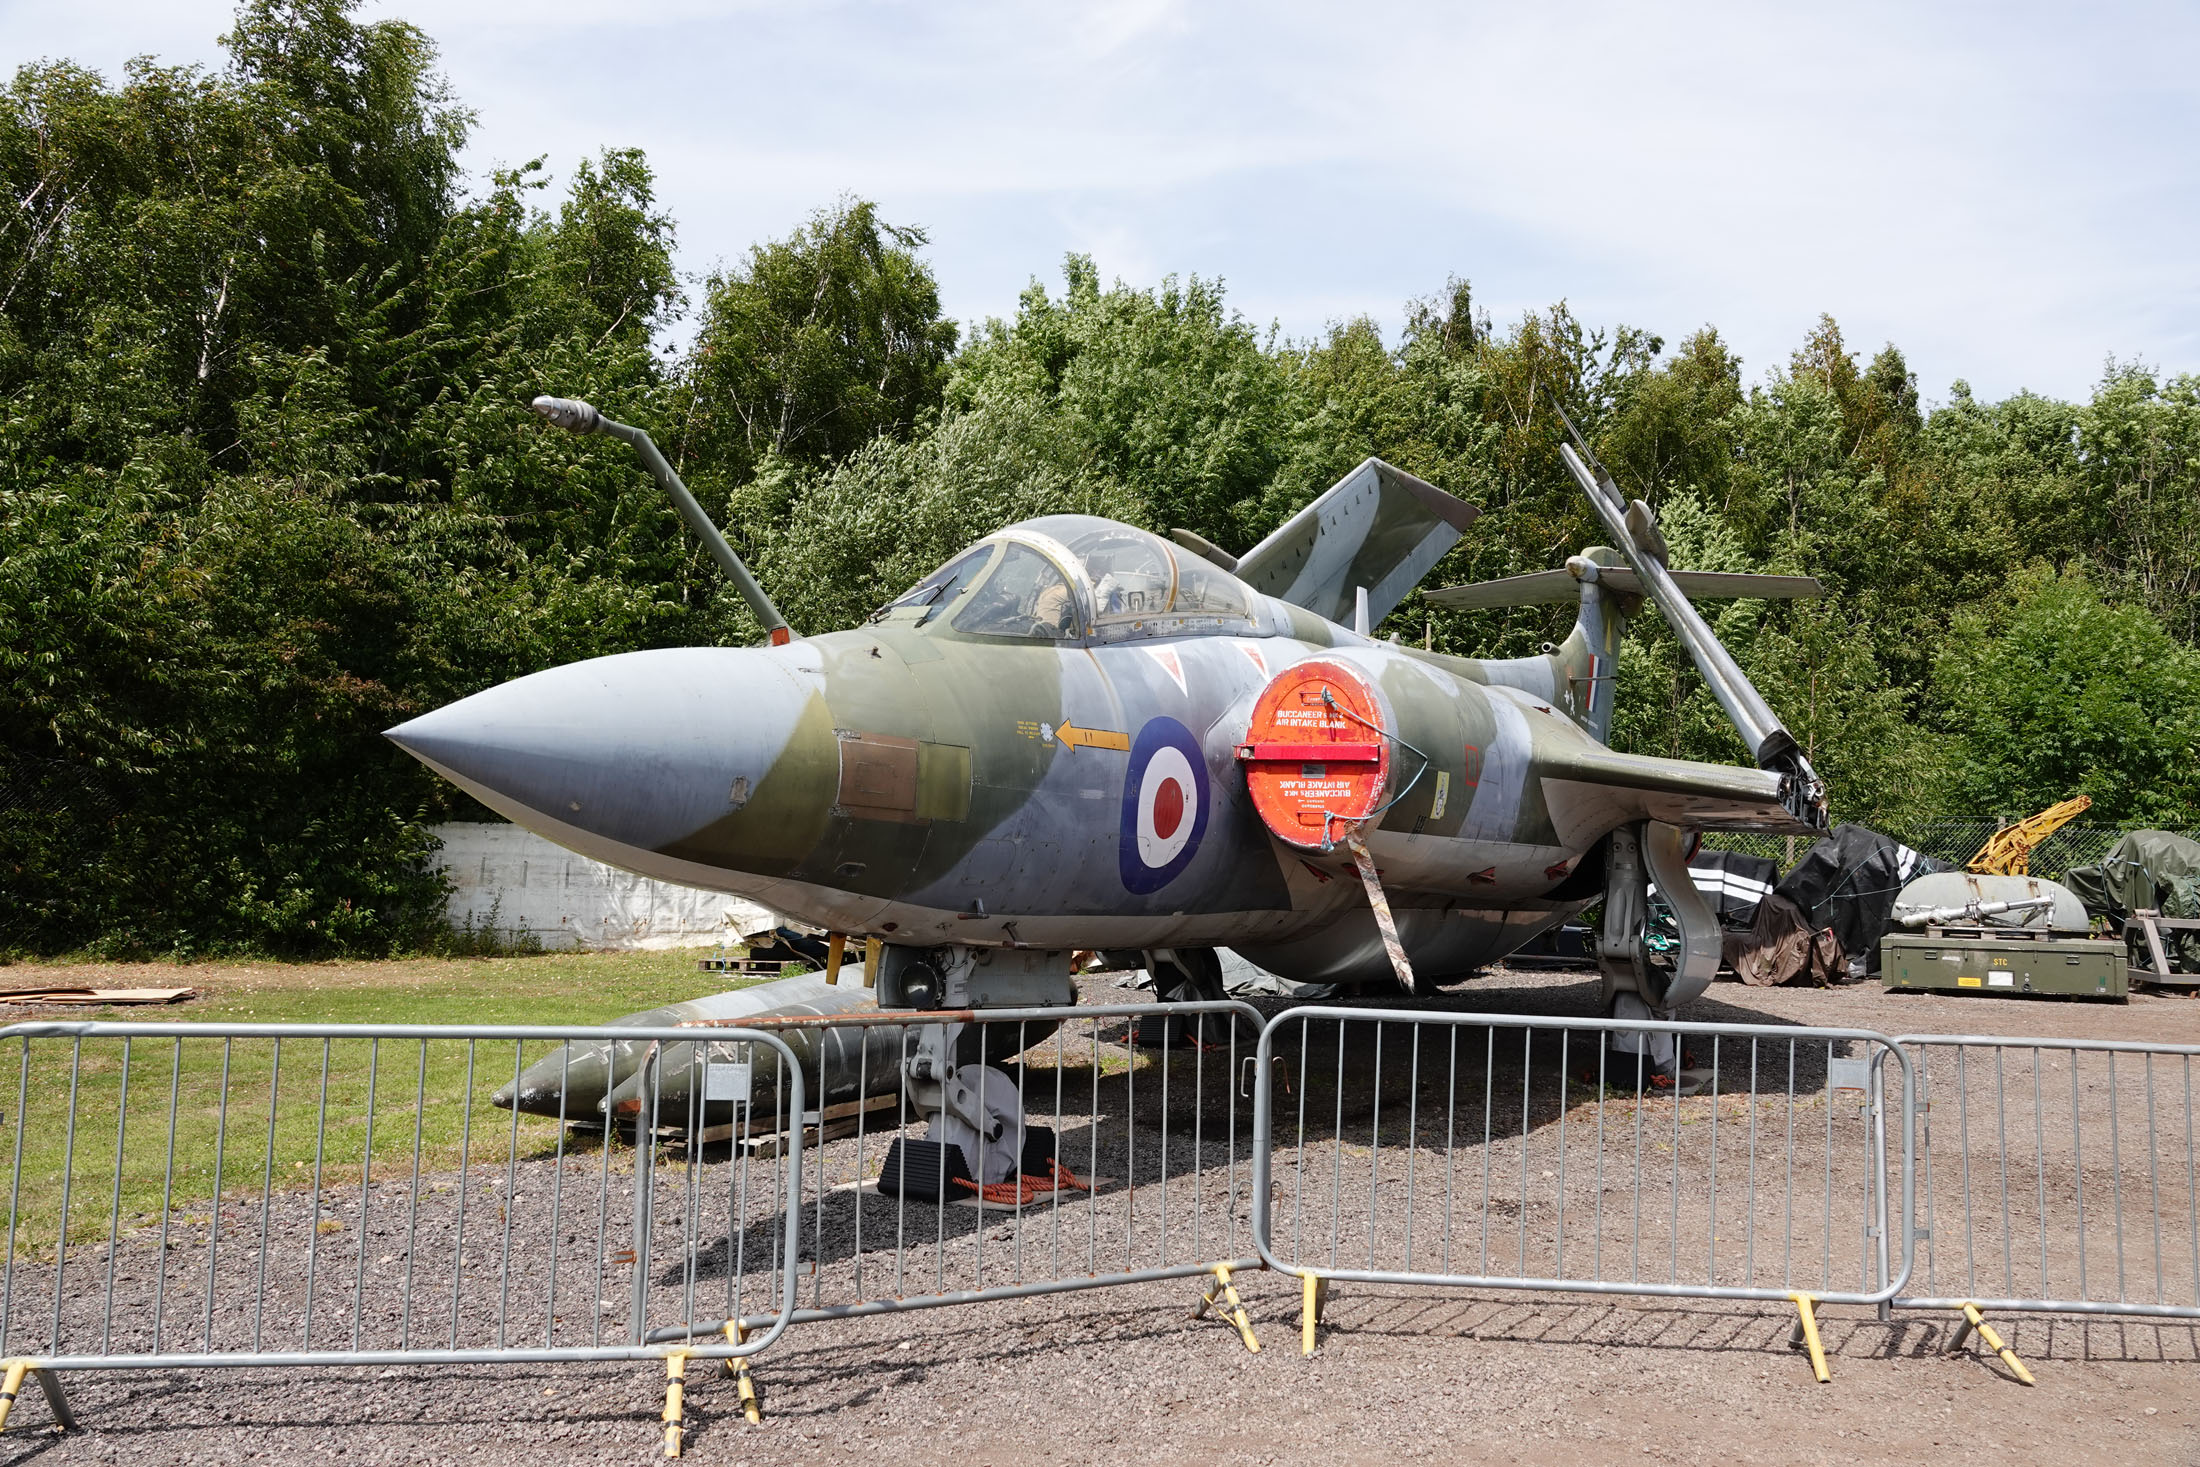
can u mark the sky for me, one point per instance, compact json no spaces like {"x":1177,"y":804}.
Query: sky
{"x":2009,"y":193}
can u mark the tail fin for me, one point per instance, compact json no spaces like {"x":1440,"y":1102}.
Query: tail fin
{"x":1609,"y":593}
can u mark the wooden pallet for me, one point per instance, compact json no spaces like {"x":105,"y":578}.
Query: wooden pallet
{"x":755,"y":967}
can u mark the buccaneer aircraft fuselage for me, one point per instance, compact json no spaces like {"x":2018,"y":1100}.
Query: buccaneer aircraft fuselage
{"x":1077,"y":734}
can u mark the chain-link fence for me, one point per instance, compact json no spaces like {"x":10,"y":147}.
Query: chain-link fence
{"x":2081,"y":843}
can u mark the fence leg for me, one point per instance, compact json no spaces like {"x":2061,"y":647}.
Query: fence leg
{"x":17,"y":1369}
{"x":1314,"y":1292}
{"x":676,"y":1365}
{"x":1222,"y":1295}
{"x":57,"y":1400}
{"x":1973,"y":1320}
{"x":1806,"y":1335}
{"x":738,"y":1368}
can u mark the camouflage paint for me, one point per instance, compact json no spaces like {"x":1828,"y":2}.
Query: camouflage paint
{"x":921,"y":783}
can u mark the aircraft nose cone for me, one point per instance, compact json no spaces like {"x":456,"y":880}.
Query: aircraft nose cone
{"x":619,"y":754}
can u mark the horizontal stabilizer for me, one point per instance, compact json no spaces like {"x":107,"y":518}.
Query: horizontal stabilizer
{"x":1552,"y":586}
{"x":1377,"y":527}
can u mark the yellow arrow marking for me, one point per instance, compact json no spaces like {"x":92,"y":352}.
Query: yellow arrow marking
{"x":1092,"y":738}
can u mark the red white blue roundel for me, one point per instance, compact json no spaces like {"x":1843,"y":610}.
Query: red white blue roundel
{"x":1165,"y":801}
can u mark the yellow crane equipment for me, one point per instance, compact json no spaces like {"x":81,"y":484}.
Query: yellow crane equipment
{"x":2008,"y":851}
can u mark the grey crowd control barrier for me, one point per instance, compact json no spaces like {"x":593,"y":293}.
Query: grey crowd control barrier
{"x":207,"y":1195}
{"x":264,"y":1194}
{"x":1718,"y":1161}
{"x":2055,"y":1175}
{"x":186,"y":1195}
{"x":1127,"y":1156}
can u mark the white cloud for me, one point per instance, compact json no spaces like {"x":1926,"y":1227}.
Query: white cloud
{"x":2007,"y":193}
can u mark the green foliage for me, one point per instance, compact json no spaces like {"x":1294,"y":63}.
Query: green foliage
{"x":820,"y":343}
{"x":268,"y":484}
{"x":2065,"y":694}
{"x":1163,"y":394}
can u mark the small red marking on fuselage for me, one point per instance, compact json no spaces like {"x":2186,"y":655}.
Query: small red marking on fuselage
{"x":1170,"y":664}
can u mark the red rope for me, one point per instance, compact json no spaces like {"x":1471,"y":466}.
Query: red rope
{"x":1027,"y":1188}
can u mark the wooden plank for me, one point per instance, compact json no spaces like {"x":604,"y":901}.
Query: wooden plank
{"x":96,"y":996}
{"x":2146,"y":919}
{"x":838,"y":1121}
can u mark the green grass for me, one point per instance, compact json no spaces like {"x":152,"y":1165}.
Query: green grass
{"x":417,"y":1089}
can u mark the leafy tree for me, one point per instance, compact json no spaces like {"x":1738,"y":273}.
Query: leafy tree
{"x":269,"y":484}
{"x":2070,"y":695}
{"x":1165,"y":393}
{"x":817,"y":344}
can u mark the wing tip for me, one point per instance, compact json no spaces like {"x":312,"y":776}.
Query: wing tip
{"x":1442,"y":503}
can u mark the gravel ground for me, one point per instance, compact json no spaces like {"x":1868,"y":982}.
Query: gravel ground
{"x":1400,"y":1374}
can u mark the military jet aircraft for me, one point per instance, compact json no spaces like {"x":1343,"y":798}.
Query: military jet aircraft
{"x":1080,"y":735}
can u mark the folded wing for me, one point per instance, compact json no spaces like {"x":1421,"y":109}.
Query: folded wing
{"x":1377,"y":527}
{"x":1584,"y":784}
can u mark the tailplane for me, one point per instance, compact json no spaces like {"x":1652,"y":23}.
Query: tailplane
{"x":1608,"y":592}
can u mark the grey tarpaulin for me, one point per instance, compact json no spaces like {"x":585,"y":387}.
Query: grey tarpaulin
{"x":2147,"y":868}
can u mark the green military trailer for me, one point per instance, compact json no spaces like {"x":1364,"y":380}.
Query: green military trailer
{"x":2003,"y":961}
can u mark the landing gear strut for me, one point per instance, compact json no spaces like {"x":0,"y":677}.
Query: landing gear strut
{"x":1641,"y":982}
{"x":1184,"y":975}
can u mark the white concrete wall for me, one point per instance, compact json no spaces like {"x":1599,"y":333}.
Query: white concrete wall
{"x":569,"y":901}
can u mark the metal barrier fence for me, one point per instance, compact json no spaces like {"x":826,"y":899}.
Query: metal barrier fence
{"x":1494,"y":1151}
{"x":1153,"y":1133}
{"x":205,"y":1194}
{"x":2055,"y":1175}
{"x":229,"y":1195}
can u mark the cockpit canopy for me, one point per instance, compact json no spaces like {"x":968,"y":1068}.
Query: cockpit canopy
{"x":1067,"y":577}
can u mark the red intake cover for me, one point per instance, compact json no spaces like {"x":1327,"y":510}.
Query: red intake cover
{"x":1316,"y":754}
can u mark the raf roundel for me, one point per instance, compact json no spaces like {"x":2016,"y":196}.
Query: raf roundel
{"x":1165,"y":799}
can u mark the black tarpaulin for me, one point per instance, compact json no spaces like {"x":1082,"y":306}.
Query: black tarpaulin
{"x":1732,"y":883}
{"x":1848,"y":882}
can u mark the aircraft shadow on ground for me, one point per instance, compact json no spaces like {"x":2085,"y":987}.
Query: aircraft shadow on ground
{"x":1131,"y":1132}
{"x":1343,"y":1077}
